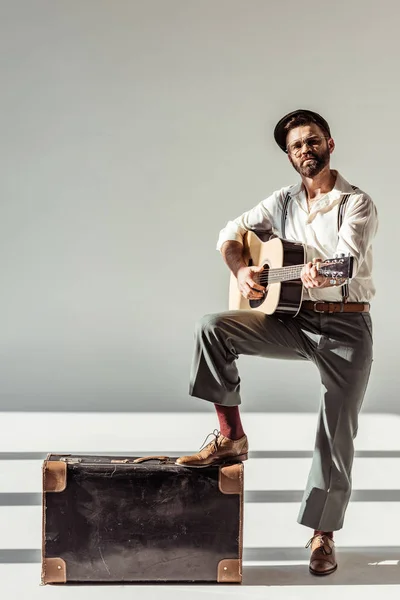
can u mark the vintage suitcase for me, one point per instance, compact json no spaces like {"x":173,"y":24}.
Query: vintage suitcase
{"x":119,"y":519}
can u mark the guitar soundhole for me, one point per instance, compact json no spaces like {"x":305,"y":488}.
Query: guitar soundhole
{"x":262,"y":280}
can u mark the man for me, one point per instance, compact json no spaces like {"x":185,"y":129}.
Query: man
{"x":333,"y":327}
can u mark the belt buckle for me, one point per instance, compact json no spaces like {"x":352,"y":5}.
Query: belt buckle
{"x":315,"y":307}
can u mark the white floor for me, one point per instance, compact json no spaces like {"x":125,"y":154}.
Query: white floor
{"x":275,"y":561}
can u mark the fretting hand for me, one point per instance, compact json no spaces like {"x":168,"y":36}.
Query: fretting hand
{"x":311,"y":279}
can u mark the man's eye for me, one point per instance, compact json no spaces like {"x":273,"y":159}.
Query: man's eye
{"x":296,"y":146}
{"x":312,"y":141}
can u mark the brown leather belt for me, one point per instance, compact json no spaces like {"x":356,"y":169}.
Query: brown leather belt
{"x":335,"y":307}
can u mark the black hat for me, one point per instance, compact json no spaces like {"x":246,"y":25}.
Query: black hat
{"x":280,"y":133}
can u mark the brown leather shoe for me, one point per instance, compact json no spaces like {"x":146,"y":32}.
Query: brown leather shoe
{"x":322,"y":560}
{"x":220,"y":451}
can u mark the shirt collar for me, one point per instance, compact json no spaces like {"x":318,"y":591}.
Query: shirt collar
{"x":341,"y":187}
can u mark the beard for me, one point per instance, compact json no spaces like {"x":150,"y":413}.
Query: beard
{"x":316,"y":163}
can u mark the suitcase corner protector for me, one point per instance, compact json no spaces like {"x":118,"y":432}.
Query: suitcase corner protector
{"x":231,"y":479}
{"x":230,"y":571}
{"x":54,"y":476}
{"x":54,"y":570}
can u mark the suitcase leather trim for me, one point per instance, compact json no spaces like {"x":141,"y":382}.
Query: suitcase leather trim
{"x":230,"y":571}
{"x":231,"y":479}
{"x":231,"y":482}
{"x":54,"y":476}
{"x":54,"y":570}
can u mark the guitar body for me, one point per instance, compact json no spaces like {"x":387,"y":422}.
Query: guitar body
{"x":284,"y":297}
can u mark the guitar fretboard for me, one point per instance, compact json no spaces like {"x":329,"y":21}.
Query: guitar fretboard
{"x":334,"y":270}
{"x":281,"y":274}
{"x":284,"y":273}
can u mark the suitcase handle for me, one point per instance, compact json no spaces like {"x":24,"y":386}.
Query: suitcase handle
{"x":144,"y":458}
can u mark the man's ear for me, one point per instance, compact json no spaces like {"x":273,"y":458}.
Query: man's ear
{"x":331,"y":145}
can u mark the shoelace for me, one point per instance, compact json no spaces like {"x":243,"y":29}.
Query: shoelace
{"x":322,"y":548}
{"x":216,"y":435}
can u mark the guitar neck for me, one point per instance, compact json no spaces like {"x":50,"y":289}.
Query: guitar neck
{"x":284,"y":273}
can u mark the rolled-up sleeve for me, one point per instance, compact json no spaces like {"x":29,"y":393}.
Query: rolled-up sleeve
{"x":260,"y":218}
{"x":358,"y":230}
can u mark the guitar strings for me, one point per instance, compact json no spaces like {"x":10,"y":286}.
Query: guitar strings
{"x":270,"y":274}
{"x":290,"y":275}
{"x":266,"y":279}
{"x":293,"y":270}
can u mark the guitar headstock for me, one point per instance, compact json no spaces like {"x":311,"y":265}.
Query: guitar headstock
{"x":336,"y":268}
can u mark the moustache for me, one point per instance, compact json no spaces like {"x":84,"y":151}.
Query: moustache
{"x":309,"y":158}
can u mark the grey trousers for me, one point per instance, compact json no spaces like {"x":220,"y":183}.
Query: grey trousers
{"x":339,"y":344}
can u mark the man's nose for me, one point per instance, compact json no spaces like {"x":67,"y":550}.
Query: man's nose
{"x":305,"y":148}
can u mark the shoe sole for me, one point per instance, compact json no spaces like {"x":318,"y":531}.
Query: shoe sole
{"x":216,"y":463}
{"x":322,"y":573}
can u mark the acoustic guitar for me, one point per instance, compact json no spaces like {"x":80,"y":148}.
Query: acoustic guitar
{"x":282,"y":261}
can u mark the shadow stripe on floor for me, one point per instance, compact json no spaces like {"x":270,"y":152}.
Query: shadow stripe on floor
{"x":249,"y":554}
{"x":257,"y":496}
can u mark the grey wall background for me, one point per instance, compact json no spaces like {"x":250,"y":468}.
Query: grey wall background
{"x":130,"y":133}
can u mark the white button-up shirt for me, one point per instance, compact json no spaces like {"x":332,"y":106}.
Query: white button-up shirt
{"x":318,"y":230}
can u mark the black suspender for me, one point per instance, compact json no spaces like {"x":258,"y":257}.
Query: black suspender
{"x":285,"y":207}
{"x":341,"y":211}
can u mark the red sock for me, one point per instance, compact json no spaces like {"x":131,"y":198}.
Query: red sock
{"x":328,"y":533}
{"x":230,"y":424}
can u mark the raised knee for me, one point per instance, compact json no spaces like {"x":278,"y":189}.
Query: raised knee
{"x":209,"y":323}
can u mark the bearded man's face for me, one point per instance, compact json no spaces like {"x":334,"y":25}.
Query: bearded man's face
{"x":309,"y":149}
